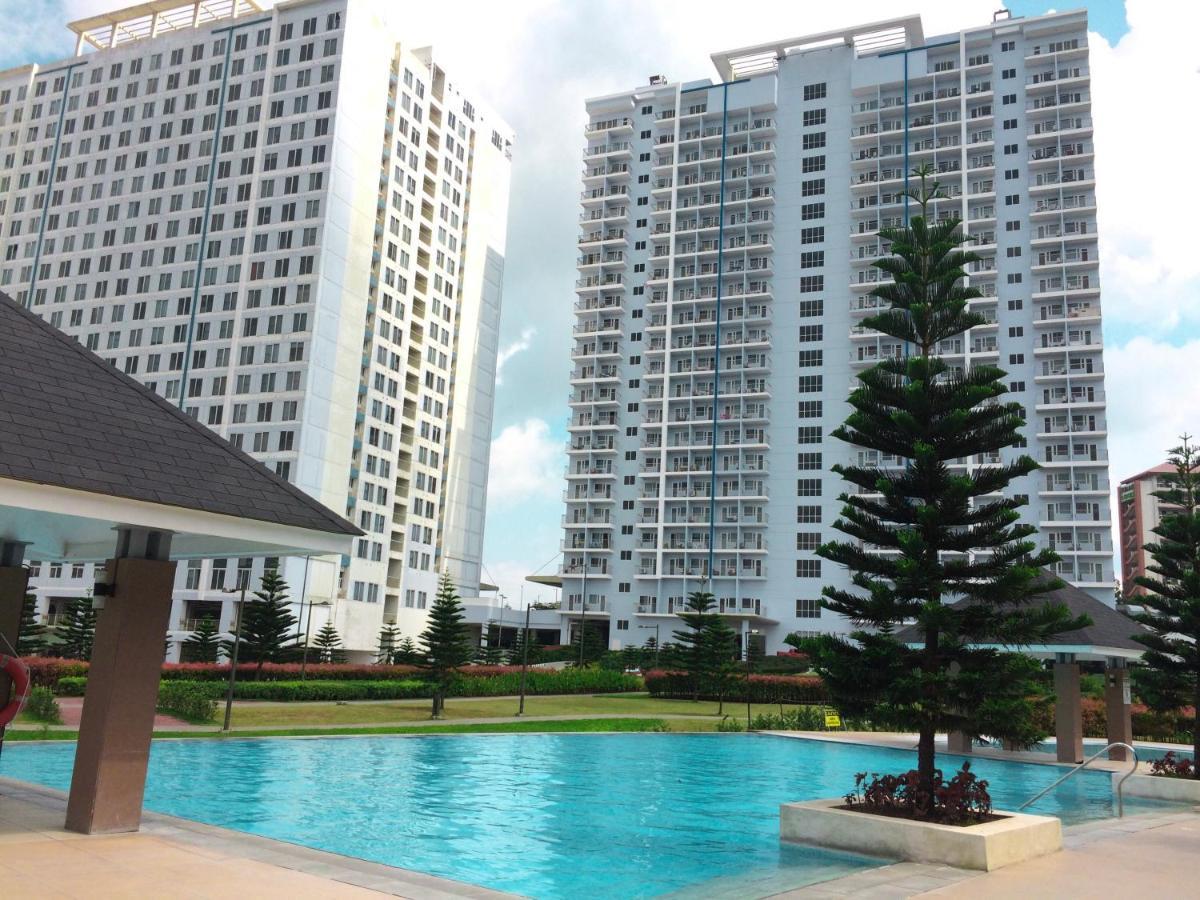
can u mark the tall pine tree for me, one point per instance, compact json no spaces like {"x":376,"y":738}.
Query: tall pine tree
{"x":1172,"y":608}
{"x":389,"y":637}
{"x":407,"y":653}
{"x":947,"y":532}
{"x":202,"y":645}
{"x":588,"y":644}
{"x":267,"y":622}
{"x":707,"y":648}
{"x":31,"y":634}
{"x":328,"y":644}
{"x":76,"y":634}
{"x":446,"y":642}
{"x":488,"y":653}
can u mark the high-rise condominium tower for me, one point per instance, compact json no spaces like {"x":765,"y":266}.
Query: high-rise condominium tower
{"x":727,"y":236}
{"x":292,"y":223}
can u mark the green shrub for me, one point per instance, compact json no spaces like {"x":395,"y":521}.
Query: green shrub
{"x":42,"y":707}
{"x":798,"y":718}
{"x":188,"y":700}
{"x":730,"y":725}
{"x":70,"y":686}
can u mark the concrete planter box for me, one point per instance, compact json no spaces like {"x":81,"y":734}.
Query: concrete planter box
{"x":1159,"y":787}
{"x":988,"y":846}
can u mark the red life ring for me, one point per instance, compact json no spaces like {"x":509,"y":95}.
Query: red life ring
{"x":18,"y":672}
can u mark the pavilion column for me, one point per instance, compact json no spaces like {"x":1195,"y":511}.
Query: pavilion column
{"x":14,"y":582}
{"x":1068,"y":709}
{"x":1118,"y":708}
{"x":133,"y":609}
{"x":959,"y":742}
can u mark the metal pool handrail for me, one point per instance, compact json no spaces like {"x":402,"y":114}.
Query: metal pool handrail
{"x":1120,"y":784}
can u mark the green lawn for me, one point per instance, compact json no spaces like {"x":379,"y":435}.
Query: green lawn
{"x":516,"y":726}
{"x":258,"y":714}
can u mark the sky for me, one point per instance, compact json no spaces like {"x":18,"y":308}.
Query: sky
{"x":535,"y":62}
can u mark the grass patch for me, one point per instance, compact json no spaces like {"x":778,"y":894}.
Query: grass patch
{"x":250,"y":715}
{"x":515,"y":727}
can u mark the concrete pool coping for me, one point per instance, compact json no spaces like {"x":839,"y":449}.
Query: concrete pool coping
{"x":173,"y":853}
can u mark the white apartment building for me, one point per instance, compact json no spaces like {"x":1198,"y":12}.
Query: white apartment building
{"x":727,"y":234}
{"x":292,"y":223}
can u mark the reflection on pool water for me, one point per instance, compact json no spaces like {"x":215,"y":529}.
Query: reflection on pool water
{"x":557,"y":815}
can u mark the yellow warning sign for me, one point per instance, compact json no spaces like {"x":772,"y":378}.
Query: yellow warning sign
{"x":832,"y":719}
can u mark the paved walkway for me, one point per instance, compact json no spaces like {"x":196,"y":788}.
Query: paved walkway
{"x":177,"y":858}
{"x":72,"y":710}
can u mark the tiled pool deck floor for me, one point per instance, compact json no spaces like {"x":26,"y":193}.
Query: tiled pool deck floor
{"x":178,"y":858}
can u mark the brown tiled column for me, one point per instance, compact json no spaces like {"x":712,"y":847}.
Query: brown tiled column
{"x":958,"y":742}
{"x":1118,"y":709}
{"x":14,"y":582}
{"x":122,"y":689}
{"x":1068,"y":709}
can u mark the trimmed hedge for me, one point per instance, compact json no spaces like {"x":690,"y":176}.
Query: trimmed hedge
{"x":189,"y":700}
{"x":45,"y":671}
{"x":763,"y":688}
{"x":476,"y":681}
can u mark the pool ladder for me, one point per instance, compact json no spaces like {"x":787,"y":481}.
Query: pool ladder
{"x":1083,"y":765}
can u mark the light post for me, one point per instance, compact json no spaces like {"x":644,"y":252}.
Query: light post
{"x":237,"y":643}
{"x":657,"y":642}
{"x":524,"y":659}
{"x":750,"y":651}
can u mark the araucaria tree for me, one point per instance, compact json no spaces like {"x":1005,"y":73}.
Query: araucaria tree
{"x":1172,"y":608}
{"x":932,"y":531}
{"x":328,"y":644}
{"x":389,"y":637}
{"x":202,"y":645}
{"x":267,"y":623}
{"x":31,"y":633}
{"x":78,"y":630}
{"x":446,"y":642}
{"x":707,"y":648}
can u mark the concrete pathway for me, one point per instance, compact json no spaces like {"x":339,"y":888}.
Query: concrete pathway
{"x":72,"y":709}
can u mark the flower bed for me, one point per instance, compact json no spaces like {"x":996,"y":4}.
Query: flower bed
{"x":763,"y":688}
{"x":963,"y":800}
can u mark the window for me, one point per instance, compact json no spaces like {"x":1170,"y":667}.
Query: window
{"x":1010,"y":149}
{"x":808,"y":608}
{"x":812,"y":164}
{"x":1013,"y":226}
{"x":811,"y":283}
{"x":1010,"y":174}
{"x":1010,"y":252}
{"x":814,"y":91}
{"x":1016,"y":359}
{"x":814,"y":187}
{"x":808,"y":514}
{"x":814,"y":235}
{"x":814,"y":117}
{"x":812,"y":211}
{"x":808,"y":568}
{"x":812,"y":259}
{"x":810,"y":333}
{"x":1008,"y":73}
{"x":1010,"y":124}
{"x":1015,"y":304}
{"x":1014,"y":278}
{"x":1007,"y":46}
{"x":808,"y":434}
{"x":808,"y":541}
{"x":1009,"y":99}
{"x":808,"y":461}
{"x":814,"y":141}
{"x":810,"y":358}
{"x":1016,"y":331}
{"x":1012,"y":199}
{"x":808,"y":409}
{"x":807,"y":309}
{"x":808,"y":487}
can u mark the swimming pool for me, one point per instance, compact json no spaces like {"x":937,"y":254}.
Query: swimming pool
{"x":547,"y":816}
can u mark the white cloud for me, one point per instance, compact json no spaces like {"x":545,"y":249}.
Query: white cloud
{"x":520,"y":345}
{"x":527,"y":465}
{"x":1150,"y":269}
{"x":1153,"y":398}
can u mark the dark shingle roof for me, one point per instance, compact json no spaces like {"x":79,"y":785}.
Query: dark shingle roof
{"x":69,"y":419}
{"x":1109,"y":628}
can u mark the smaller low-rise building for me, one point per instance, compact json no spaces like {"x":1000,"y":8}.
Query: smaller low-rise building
{"x":1139,"y":511}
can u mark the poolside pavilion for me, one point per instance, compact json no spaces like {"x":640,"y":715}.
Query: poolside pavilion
{"x":96,"y":467}
{"x":1109,"y":639}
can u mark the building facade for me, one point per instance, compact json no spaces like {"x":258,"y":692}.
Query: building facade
{"x":292,"y":224}
{"x":727,"y":236}
{"x":1139,"y":512}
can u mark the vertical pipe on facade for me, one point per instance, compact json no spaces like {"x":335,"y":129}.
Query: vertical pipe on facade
{"x":204,"y":220}
{"x":712,"y":488}
{"x":58,"y":132}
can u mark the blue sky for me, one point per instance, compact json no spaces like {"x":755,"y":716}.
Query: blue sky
{"x":536,"y":60}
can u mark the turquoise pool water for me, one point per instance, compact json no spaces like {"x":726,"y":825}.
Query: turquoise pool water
{"x":547,"y":816}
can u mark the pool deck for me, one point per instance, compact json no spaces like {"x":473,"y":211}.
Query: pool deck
{"x":178,"y":858}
